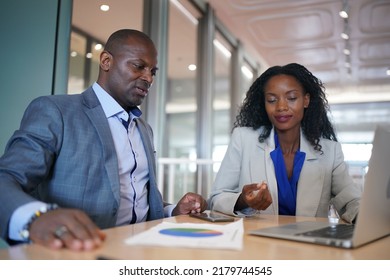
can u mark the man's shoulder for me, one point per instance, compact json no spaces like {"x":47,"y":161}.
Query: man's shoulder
{"x":65,"y":99}
{"x":57,"y":97}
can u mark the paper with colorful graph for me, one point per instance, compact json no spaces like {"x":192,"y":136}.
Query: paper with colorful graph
{"x":193,"y":235}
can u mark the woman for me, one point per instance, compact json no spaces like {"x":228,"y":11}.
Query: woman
{"x":284,"y":157}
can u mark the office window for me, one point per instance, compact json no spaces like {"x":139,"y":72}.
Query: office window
{"x":357,"y":155}
{"x":181,"y":106}
{"x":90,"y":32}
{"x":222,"y":92}
{"x":83,"y":61}
{"x":247,"y":78}
{"x":76,"y":63}
{"x":94,"y":60}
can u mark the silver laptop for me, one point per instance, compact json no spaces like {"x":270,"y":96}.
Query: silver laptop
{"x":373,"y":221}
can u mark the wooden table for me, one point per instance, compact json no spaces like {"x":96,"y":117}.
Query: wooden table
{"x":254,"y":247}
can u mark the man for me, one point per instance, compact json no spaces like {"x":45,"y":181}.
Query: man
{"x":83,"y":162}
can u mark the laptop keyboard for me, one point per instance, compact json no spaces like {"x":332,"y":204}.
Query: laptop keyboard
{"x":339,"y":231}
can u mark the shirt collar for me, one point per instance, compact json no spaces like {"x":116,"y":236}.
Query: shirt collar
{"x":111,"y":107}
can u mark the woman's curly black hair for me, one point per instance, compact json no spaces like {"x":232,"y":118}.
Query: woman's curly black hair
{"x":315,"y":123}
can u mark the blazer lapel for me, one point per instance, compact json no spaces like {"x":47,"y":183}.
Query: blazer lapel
{"x":98,"y":119}
{"x":146,"y":140}
{"x":310,"y":181}
{"x":261,"y":163}
{"x":269,"y":146}
{"x":156,"y":206}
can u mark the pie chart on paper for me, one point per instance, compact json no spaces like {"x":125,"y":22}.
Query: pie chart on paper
{"x":190,"y":232}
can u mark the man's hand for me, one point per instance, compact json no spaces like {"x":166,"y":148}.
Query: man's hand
{"x":190,"y":203}
{"x":66,"y":228}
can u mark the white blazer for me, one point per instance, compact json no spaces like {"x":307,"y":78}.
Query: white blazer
{"x":324,"y":177}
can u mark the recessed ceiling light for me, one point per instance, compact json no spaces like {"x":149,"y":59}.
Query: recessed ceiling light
{"x":343,"y":14}
{"x":192,"y":67}
{"x":344,"y":11}
{"x":104,"y":8}
{"x":346,"y":31}
{"x":345,"y":36}
{"x":98,"y":47}
{"x":388,"y":72}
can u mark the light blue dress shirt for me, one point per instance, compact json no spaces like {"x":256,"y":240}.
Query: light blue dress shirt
{"x":132,"y":161}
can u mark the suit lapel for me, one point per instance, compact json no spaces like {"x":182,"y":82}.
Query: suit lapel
{"x":310,"y":182}
{"x":98,"y":119}
{"x":146,"y":140}
{"x":261,"y":163}
{"x":269,"y":146}
{"x":156,"y":207}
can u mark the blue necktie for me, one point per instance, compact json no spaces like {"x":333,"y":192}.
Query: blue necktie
{"x":125,"y":124}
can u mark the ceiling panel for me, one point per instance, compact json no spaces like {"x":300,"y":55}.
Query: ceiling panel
{"x":278,"y":32}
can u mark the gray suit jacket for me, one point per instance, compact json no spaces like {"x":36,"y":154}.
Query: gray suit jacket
{"x":64,"y":153}
{"x":324,"y":177}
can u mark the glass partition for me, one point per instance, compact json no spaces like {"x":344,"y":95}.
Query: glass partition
{"x":247,"y":78}
{"x":76,"y":63}
{"x":222,"y":100}
{"x":180,"y":142}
